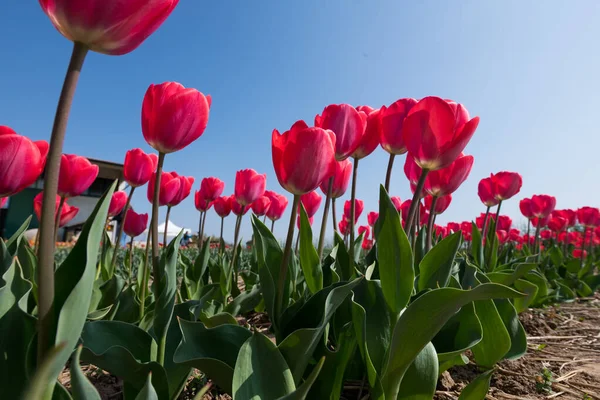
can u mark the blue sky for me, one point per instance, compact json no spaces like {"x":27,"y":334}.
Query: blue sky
{"x":527,"y":68}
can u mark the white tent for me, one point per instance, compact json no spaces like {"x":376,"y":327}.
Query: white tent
{"x":172,"y":231}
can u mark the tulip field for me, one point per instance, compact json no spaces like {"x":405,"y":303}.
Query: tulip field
{"x":400,"y":308}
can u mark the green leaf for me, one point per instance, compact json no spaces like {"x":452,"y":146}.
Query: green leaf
{"x":496,"y":339}
{"x":478,"y":388}
{"x":518,"y":338}
{"x":450,"y":360}
{"x":420,"y":248}
{"x":540,"y":281}
{"x":556,"y":256}
{"x":9,"y":249}
{"x":81,"y":387}
{"x":213,"y":351}
{"x":44,"y":375}
{"x":421,"y":378}
{"x":508,"y":277}
{"x":261,"y":371}
{"x":437,"y":264}
{"x":124,"y":350}
{"x":303,"y":390}
{"x":342,"y":258}
{"x":476,"y":245}
{"x":307,"y":327}
{"x":166,"y":288}
{"x":459,"y":334}
{"x":217,"y":319}
{"x":309,"y":258}
{"x":530,"y":290}
{"x":395,"y":256}
{"x":420,"y":322}
{"x":245,"y":302}
{"x":74,"y":281}
{"x":147,"y":392}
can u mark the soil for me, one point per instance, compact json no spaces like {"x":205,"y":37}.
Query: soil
{"x":562,"y":361}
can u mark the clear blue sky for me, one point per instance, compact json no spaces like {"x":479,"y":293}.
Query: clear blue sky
{"x":529,"y":69}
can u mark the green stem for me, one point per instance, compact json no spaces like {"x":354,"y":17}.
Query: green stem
{"x":430,"y":223}
{"x":130,"y":279}
{"x":221,"y":243}
{"x":286,"y":256}
{"x":388,"y":175}
{"x":166,"y":227}
{"x":202,"y":232}
{"x":485,"y":221}
{"x":334,"y":217}
{"x":414,"y":204}
{"x":162,"y":345}
{"x":45,"y":270}
{"x":324,"y":221}
{"x":352,"y":214}
{"x":145,"y":271}
{"x":236,"y":237}
{"x":113,"y":261}
{"x":272,"y":226}
{"x":57,"y":217}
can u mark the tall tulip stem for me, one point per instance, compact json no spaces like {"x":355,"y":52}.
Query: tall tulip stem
{"x":130,"y":269}
{"x":202,"y":233}
{"x":494,"y":237}
{"x":272,"y":226}
{"x":201,"y":230}
{"x":497,"y":215}
{"x":57,"y":217}
{"x":388,"y":175}
{"x":145,"y":271}
{"x":485,"y":221}
{"x":166,"y":226}
{"x":582,"y":255}
{"x":221,"y":243}
{"x":45,"y":270}
{"x":155,"y":249}
{"x":236,"y":237}
{"x":353,"y":213}
{"x":324,"y":221}
{"x":537,"y":235}
{"x":414,"y":204}
{"x":334,"y":216}
{"x":286,"y":257}
{"x":113,"y":262}
{"x":430,"y":222}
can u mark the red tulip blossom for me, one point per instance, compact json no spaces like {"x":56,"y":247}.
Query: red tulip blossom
{"x":173,"y":116}
{"x":278,"y":205}
{"x":3,"y":201}
{"x":370,"y":139}
{"x":201,"y":203}
{"x":525,"y":207}
{"x":392,"y":125}
{"x":364,"y":229}
{"x":506,"y":184}
{"x":542,"y":205}
{"x":211,"y":188}
{"x":465,"y":227}
{"x":67,"y":213}
{"x":557,"y":224}
{"x":514,"y":235}
{"x":588,"y":216}
{"x":303,"y":157}
{"x":109,"y":26}
{"x":578,"y":253}
{"x":238,"y":209}
{"x":311,"y":202}
{"x":223,"y":205}
{"x":341,"y":178}
{"x":442,"y":181}
{"x":453,"y":226}
{"x":485,"y":190}
{"x":249,"y":186}
{"x":397,"y":202}
{"x":359,"y":206}
{"x":436,"y":132}
{"x":546,"y":234}
{"x":76,"y":175}
{"x":440,"y":231}
{"x":367,"y":244}
{"x":135,"y":224}
{"x":347,"y":123}
{"x":139,"y":167}
{"x":185,"y":188}
{"x":261,"y":206}
{"x":568,"y":214}
{"x":21,"y":161}
{"x":504,"y":223}
{"x":169,"y":188}
{"x":502,"y":236}
{"x":117,"y":203}
{"x":542,"y":222}
{"x":372,"y":218}
{"x":344,"y":227}
{"x":405,"y":207}
{"x":441,"y":204}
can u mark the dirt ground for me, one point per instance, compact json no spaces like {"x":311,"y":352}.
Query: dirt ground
{"x":562,"y":362}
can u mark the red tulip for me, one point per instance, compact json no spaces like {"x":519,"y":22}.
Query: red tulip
{"x":223,"y":205}
{"x":211,"y":188}
{"x":506,"y":184}
{"x":364,"y":229}
{"x":21,"y":161}
{"x":372,"y":218}
{"x":202,"y":204}
{"x":344,"y":227}
{"x":514,"y":235}
{"x":310,"y":221}
{"x":546,"y":234}
{"x":440,"y":231}
{"x":249,"y":186}
{"x":347,"y":124}
{"x":441,"y":204}
{"x":437,"y":131}
{"x":311,"y":202}
{"x":278,"y":205}
{"x":392,"y":125}
{"x":359,"y":206}
{"x":367,"y":244}
{"x":485,"y":190}
{"x":557,"y":224}
{"x":67,"y":213}
{"x":117,"y":203}
{"x":525,"y":207}
{"x":173,"y":116}
{"x":341,"y":178}
{"x":135,"y":224}
{"x":442,"y":181}
{"x":169,"y":187}
{"x":76,"y":175}
{"x":139,"y":167}
{"x":569,"y":215}
{"x":542,"y":205}
{"x":504,"y":223}
{"x":110,"y":27}
{"x":541,"y":221}
{"x":237,"y":208}
{"x":303,"y":157}
{"x":3,"y":201}
{"x":588,"y":216}
{"x":578,"y":253}
{"x":398,"y":203}
{"x":370,"y":140}
{"x":185,"y":188}
{"x":465,"y":227}
{"x":481,"y":219}
{"x":453,"y":227}
{"x":261,"y":205}
{"x":502,"y":236}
